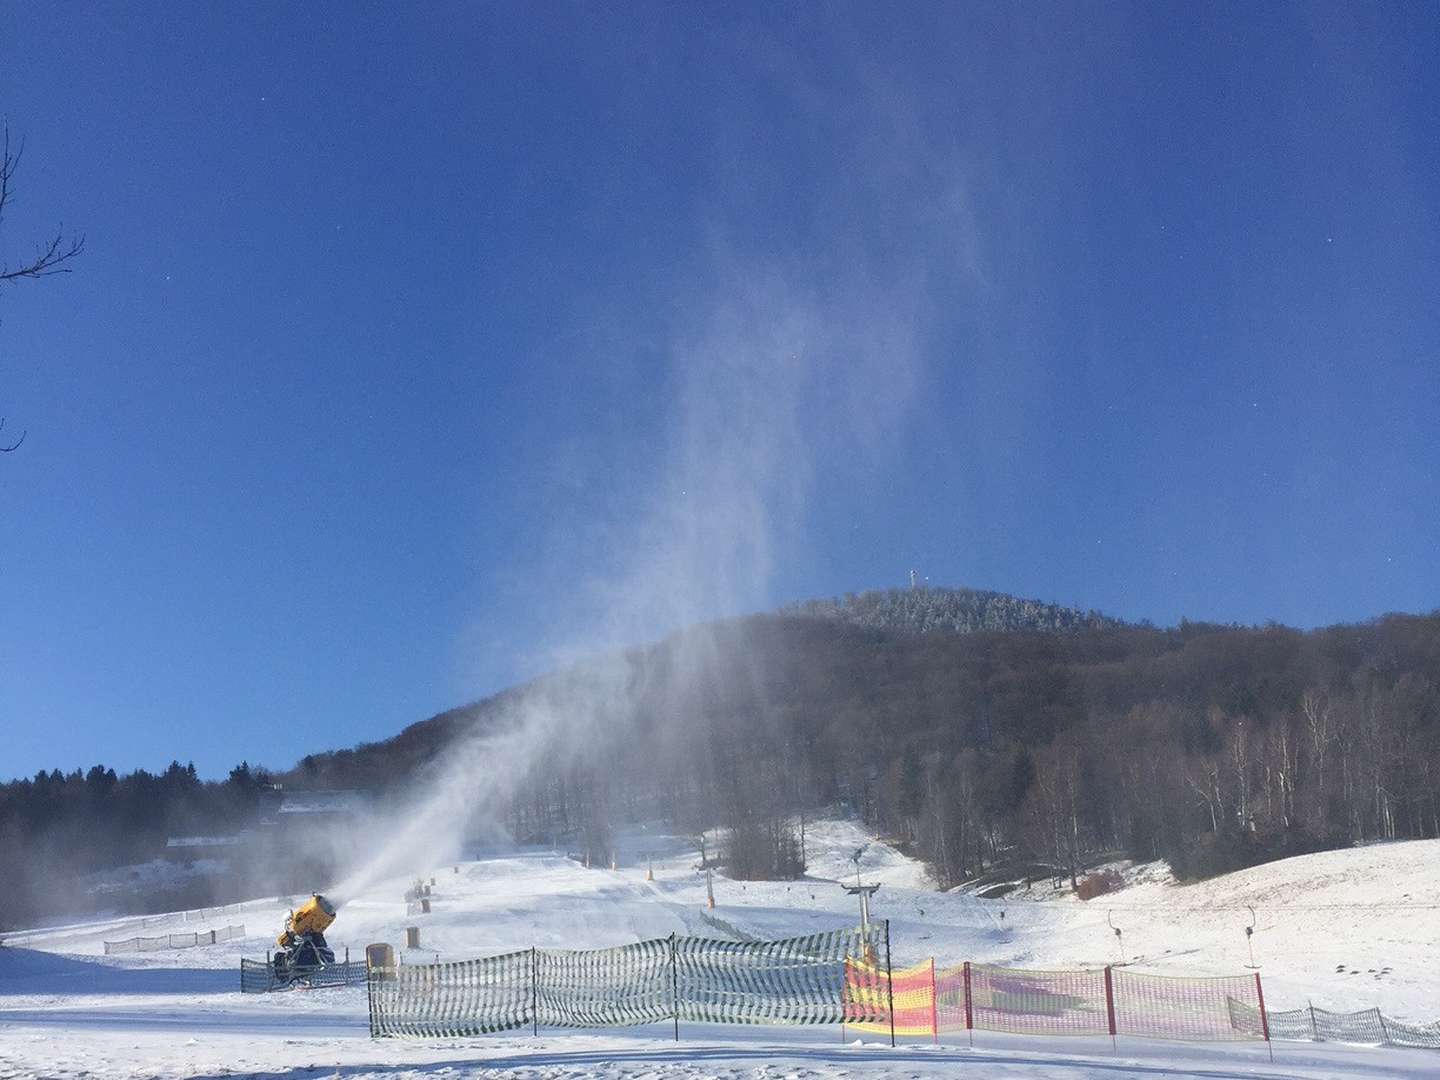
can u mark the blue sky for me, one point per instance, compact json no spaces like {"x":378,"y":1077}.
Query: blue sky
{"x":416,"y":346}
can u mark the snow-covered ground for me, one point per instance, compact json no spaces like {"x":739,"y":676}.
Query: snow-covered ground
{"x":1346,"y":930}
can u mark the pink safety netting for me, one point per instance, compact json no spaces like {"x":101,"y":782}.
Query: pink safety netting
{"x":1026,"y":1002}
{"x":1189,"y":1009}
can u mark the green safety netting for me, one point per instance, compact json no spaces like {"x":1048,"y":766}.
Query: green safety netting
{"x":797,"y":981}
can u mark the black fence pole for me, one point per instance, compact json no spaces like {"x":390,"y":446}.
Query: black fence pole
{"x":889,"y":983}
{"x":370,"y":995}
{"x":674,"y":988}
{"x":534,"y":991}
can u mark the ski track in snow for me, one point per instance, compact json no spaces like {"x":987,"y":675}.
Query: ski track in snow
{"x":1346,"y":929}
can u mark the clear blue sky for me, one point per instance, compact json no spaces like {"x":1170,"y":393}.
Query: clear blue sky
{"x":395,"y":320}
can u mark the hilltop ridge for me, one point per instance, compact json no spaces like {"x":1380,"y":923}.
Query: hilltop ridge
{"x":927,"y":609}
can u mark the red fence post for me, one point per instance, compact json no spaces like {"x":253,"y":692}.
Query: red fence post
{"x":1264,"y":1020}
{"x":969,"y":1010}
{"x":934,"y":1006}
{"x":1110,"y":1004}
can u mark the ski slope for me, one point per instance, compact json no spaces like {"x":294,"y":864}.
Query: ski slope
{"x":1345,"y":929}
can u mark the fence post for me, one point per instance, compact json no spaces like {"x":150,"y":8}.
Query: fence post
{"x":1384,"y":1030}
{"x":534,"y":991}
{"x":1110,"y":1006}
{"x":369,"y":989}
{"x":1314,"y":1028}
{"x":1264,"y":1020}
{"x":969,"y":1011}
{"x":674,"y":988}
{"x":889,"y":983}
{"x":934,"y":1006}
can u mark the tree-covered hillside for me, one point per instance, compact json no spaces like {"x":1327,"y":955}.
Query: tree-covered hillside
{"x":1212,"y":747}
{"x":1209,"y":746}
{"x":958,"y":611}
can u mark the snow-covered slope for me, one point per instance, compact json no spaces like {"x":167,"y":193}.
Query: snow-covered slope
{"x":1346,"y":929}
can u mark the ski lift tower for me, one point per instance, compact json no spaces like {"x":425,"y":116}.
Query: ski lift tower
{"x":864,"y":892}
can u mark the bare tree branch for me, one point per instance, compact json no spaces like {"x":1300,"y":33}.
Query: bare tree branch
{"x":48,"y":260}
{"x":8,"y":164}
{"x":16,"y":444}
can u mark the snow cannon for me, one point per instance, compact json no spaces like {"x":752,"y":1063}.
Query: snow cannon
{"x":302,"y":942}
{"x":312,"y":917}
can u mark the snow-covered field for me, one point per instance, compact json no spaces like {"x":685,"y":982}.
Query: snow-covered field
{"x":1346,"y":930}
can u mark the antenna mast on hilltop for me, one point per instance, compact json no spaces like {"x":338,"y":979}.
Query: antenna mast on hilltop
{"x":914,"y":579}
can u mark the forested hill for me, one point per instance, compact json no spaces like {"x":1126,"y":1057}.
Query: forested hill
{"x":1213,"y":747}
{"x":888,"y":614}
{"x":962,"y":611}
{"x":1209,"y":746}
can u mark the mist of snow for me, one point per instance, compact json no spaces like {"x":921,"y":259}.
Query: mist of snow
{"x":781,"y":367}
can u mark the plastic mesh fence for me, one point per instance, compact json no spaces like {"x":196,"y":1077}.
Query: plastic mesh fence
{"x":914,"y":996}
{"x":950,"y":999}
{"x":1426,"y":1036}
{"x":200,"y":914}
{"x":467,"y":997}
{"x":257,"y":977}
{"x":1186,"y":1009}
{"x":174,"y":941}
{"x":1291,"y":1024}
{"x":345,"y":973}
{"x":1364,"y":1027}
{"x":830,"y":978}
{"x":605,"y":987}
{"x":795,"y":981}
{"x":1036,"y":1002}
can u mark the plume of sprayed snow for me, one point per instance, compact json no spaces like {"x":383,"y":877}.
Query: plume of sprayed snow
{"x":770,"y":375}
{"x":754,"y":404}
{"x":465,"y":794}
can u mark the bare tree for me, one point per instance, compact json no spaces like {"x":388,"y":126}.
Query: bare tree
{"x":48,"y":258}
{"x":1320,"y":727}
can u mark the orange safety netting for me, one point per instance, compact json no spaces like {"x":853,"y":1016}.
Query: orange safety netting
{"x":931,"y":1001}
{"x":868,"y":998}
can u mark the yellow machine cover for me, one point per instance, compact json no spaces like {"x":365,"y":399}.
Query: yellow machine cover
{"x":312,"y":917}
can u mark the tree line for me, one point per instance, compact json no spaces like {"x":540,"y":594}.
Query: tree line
{"x":56,"y":828}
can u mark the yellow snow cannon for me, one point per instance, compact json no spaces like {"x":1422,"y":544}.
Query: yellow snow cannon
{"x":303,"y":940}
{"x":312,"y":917}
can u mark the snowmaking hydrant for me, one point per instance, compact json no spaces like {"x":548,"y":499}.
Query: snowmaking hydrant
{"x":303,"y":940}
